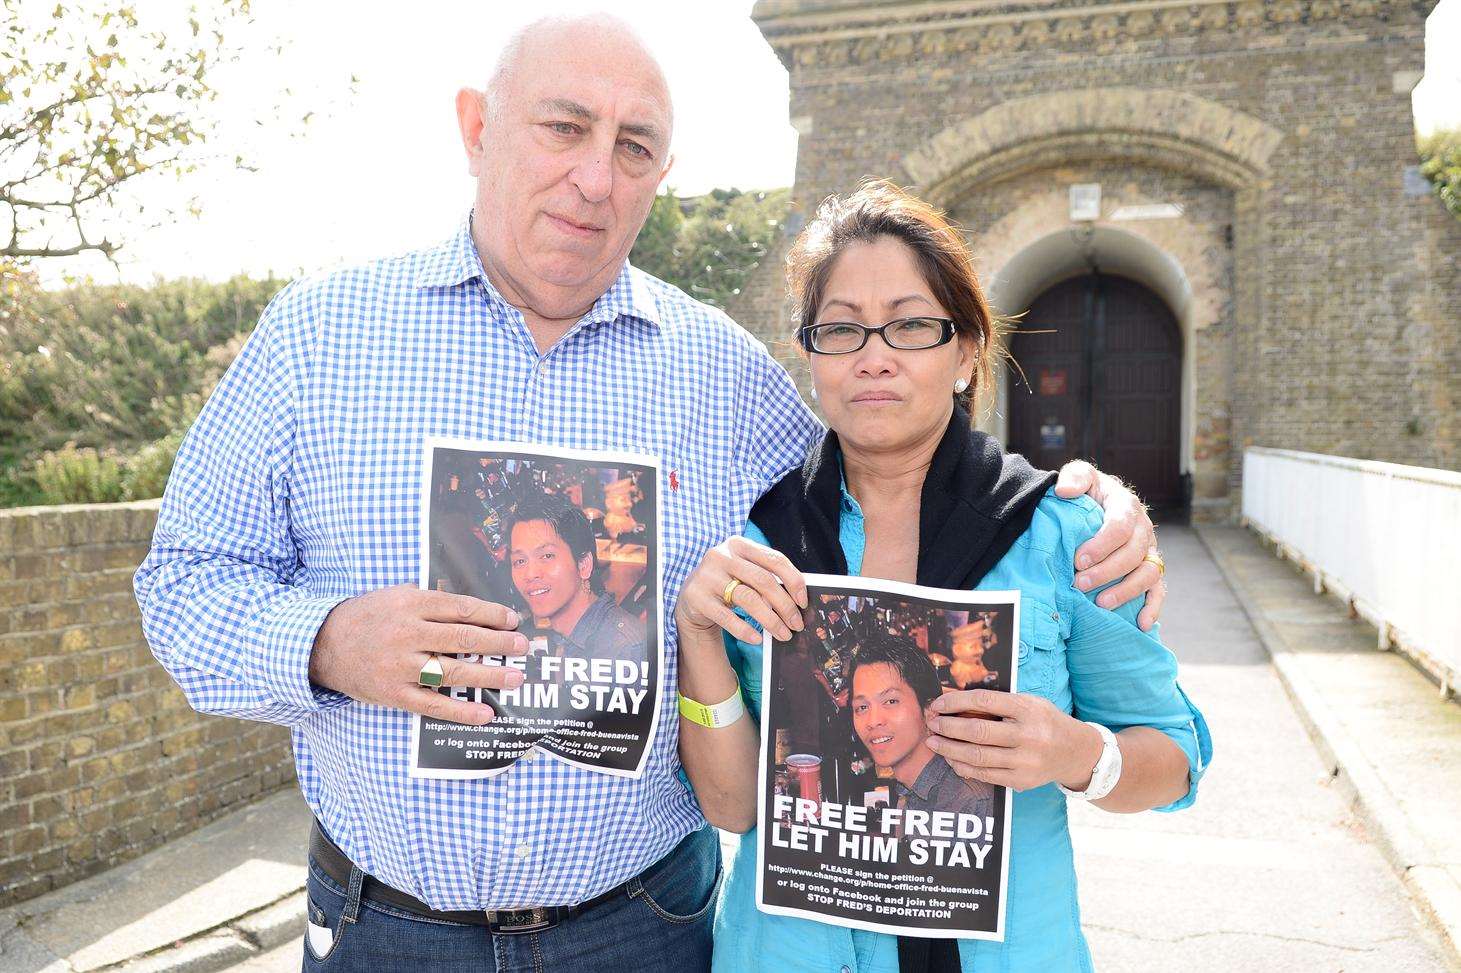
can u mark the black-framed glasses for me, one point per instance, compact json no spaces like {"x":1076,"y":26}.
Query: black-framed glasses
{"x":907,"y":334}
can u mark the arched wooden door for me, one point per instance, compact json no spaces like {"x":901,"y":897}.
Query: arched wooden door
{"x":1106,"y":385}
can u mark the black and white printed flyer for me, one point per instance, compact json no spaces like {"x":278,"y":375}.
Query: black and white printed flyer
{"x":570,"y":540}
{"x":861,"y":824}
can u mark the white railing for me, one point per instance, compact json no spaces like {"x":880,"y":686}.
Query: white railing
{"x":1386,"y":538}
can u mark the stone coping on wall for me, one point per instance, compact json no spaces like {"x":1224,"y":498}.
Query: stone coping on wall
{"x":812,"y":33}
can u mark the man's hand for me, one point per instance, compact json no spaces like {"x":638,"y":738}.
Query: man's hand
{"x":372,"y":648}
{"x":1121,"y":545}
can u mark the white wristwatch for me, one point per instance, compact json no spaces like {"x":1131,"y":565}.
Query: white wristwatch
{"x":1106,"y":773}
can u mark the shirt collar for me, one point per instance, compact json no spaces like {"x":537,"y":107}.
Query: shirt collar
{"x":592,"y":618}
{"x":930,"y":775}
{"x":849,"y":502}
{"x":453,"y":261}
{"x":628,"y":296}
{"x":456,"y":261}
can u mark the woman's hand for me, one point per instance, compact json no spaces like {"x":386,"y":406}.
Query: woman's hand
{"x":772,"y":591}
{"x":1033,"y":744}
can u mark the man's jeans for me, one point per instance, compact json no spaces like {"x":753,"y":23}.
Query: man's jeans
{"x":660,"y":923}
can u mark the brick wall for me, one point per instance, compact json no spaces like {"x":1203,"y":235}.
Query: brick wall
{"x":100,"y":754}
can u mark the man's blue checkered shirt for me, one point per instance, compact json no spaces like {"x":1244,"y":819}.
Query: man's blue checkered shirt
{"x":298,"y":488}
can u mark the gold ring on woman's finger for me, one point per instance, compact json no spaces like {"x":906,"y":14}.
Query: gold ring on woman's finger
{"x":1152,"y":557}
{"x":431,"y":675}
{"x":729,"y":594}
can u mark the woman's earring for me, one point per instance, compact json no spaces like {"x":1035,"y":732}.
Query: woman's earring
{"x":960,"y":386}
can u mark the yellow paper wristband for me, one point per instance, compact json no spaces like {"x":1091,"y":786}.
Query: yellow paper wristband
{"x":717,"y":716}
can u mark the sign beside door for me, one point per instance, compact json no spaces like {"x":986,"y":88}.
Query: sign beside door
{"x":1053,"y":381}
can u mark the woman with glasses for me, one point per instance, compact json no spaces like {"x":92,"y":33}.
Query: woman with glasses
{"x":901,"y":342}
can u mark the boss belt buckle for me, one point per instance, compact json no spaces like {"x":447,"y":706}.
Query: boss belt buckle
{"x":512,"y":922}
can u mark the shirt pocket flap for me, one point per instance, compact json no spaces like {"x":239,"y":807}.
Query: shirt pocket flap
{"x":1039,"y":645}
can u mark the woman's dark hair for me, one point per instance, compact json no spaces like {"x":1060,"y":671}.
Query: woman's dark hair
{"x":902,"y":654}
{"x":559,"y":512}
{"x":878,"y":209}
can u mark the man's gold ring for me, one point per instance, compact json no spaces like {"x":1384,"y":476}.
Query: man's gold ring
{"x":1155,"y":558}
{"x":431,"y":675}
{"x":729,"y":594}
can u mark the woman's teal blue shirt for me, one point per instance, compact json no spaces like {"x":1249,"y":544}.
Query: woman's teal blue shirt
{"x":1088,"y":661}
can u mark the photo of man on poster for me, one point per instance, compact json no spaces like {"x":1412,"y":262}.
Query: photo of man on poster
{"x":862,"y":823}
{"x":568,"y":540}
{"x":893,"y":683}
{"x":555,"y":570}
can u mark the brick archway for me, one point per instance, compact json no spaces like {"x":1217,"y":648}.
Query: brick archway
{"x":1035,"y":247}
{"x":1230,"y":145}
{"x":1057,"y":137}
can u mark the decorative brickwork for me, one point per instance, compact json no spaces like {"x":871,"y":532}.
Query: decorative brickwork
{"x":100,"y":755}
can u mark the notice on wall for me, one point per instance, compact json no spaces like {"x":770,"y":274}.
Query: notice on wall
{"x":1053,"y":381}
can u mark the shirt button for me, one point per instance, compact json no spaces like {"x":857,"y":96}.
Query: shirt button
{"x":845,"y":969}
{"x":523,"y":850}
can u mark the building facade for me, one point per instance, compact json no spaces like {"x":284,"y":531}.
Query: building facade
{"x":1210,"y":209}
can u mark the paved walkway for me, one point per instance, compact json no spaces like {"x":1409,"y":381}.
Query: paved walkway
{"x":1282,"y":864}
{"x":1392,"y":742}
{"x":1271,"y":869}
{"x":203,"y":902}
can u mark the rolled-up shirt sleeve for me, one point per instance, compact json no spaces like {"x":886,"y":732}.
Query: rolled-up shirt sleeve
{"x":223,"y":594}
{"x":1121,"y":676}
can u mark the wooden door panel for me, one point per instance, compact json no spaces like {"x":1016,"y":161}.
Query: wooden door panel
{"x":1106,"y":385}
{"x":1048,"y":402}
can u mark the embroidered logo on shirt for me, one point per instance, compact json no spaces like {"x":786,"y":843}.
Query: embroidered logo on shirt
{"x":675,"y":480}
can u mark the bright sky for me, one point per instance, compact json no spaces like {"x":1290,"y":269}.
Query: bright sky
{"x":383,"y":171}
{"x":1437,"y":98}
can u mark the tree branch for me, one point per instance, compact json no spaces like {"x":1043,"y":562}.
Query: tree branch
{"x":105,"y":247}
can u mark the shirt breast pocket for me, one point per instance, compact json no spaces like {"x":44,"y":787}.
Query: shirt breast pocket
{"x":1041,"y":657}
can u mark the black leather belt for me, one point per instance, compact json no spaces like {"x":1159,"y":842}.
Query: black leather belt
{"x":504,"y":922}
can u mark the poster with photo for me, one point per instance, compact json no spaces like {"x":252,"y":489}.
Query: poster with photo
{"x":570,"y":540}
{"x":861,"y":824}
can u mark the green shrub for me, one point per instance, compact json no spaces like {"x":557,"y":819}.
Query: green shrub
{"x":72,"y":475}
{"x":709,"y":245}
{"x":101,"y":381}
{"x":18,"y":489}
{"x":144,"y":474}
{"x":84,"y":475}
{"x":113,"y":367}
{"x":1440,"y":162}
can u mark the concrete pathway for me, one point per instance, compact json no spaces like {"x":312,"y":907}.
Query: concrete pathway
{"x":1383,"y":729}
{"x":208,"y":900}
{"x":1292,"y":858}
{"x":1271,"y":869}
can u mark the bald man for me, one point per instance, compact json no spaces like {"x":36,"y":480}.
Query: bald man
{"x":279,"y":585}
